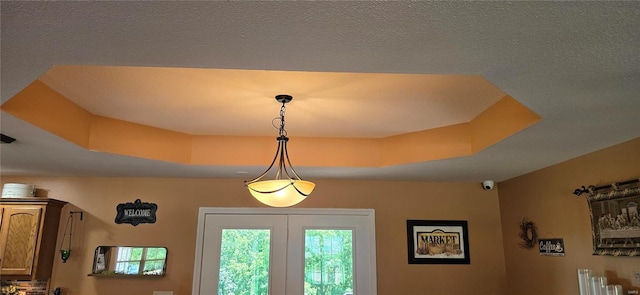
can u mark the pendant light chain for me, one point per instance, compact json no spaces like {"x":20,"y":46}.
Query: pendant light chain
{"x":69,"y":227}
{"x":282,"y":145}
{"x":282,"y":131}
{"x":66,"y":252}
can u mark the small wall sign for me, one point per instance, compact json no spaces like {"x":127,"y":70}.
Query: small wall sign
{"x":136,"y":213}
{"x":551,"y":247}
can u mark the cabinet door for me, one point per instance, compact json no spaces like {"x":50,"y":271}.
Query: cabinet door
{"x":1,"y":238}
{"x":19,"y":239}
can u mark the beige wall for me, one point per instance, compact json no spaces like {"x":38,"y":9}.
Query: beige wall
{"x":545,"y":197}
{"x":179,"y":199}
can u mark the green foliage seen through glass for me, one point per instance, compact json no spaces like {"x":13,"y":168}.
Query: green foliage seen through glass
{"x":328,"y":264}
{"x":244,"y":262}
{"x":136,"y":254}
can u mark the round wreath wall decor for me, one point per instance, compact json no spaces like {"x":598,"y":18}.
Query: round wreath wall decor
{"x":528,"y":234}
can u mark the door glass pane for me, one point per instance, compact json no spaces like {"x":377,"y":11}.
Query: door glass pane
{"x":328,"y":266}
{"x":244,"y":262}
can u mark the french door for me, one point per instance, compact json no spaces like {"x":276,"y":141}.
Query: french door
{"x":285,"y":251}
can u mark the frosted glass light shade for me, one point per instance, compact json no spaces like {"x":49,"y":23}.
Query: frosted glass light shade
{"x":281,"y":193}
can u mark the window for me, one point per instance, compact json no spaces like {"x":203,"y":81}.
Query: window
{"x":244,"y":257}
{"x":328,"y":262}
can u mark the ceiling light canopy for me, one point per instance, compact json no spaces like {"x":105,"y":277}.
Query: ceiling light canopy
{"x":287,"y":189}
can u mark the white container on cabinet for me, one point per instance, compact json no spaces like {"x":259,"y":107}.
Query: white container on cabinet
{"x":18,"y":190}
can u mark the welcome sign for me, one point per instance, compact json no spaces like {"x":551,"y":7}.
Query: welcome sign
{"x":136,"y":213}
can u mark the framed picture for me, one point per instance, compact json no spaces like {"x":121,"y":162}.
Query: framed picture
{"x":438,"y":242}
{"x":615,"y":221}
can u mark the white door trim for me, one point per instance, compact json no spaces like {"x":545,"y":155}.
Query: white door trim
{"x":370,"y":213}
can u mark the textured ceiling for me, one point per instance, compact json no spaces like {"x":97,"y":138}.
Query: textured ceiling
{"x":576,"y":64}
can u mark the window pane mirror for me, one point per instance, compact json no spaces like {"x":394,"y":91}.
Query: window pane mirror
{"x":129,"y":260}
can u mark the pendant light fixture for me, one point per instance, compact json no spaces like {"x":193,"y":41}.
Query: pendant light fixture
{"x":287,"y":189}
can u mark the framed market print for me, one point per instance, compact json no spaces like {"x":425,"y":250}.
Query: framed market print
{"x":438,"y":242}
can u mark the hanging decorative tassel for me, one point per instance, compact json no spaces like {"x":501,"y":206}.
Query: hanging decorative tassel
{"x":65,"y":253}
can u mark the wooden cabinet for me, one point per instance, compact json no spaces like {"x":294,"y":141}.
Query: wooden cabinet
{"x":28,"y":234}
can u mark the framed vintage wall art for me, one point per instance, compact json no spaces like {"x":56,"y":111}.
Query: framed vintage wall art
{"x":615,"y":221}
{"x":438,"y":242}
